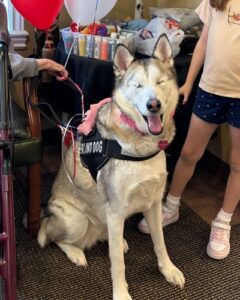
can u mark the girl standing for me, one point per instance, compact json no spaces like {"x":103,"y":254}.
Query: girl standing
{"x":217,"y":102}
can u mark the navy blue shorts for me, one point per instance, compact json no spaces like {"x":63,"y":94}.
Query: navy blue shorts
{"x":217,"y":109}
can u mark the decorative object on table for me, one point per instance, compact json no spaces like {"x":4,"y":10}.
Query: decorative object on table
{"x":138,"y":9}
{"x":41,"y":14}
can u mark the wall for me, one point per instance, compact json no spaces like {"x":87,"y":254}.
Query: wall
{"x":178,"y":3}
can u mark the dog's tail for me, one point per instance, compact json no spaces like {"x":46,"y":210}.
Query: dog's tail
{"x":42,"y":234}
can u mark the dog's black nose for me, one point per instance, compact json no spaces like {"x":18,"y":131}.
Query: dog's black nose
{"x":153,"y":105}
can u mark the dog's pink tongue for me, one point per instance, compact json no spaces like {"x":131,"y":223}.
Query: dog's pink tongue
{"x":154,"y":124}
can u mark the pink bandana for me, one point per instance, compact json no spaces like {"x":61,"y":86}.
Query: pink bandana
{"x":89,"y":121}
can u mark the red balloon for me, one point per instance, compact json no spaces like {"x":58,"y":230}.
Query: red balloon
{"x":40,"y":13}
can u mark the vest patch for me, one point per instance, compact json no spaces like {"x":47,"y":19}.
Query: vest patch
{"x":92,"y":148}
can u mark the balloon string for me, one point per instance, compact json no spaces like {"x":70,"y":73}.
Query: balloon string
{"x":94,"y":20}
{"x":70,"y":51}
{"x":95,"y":14}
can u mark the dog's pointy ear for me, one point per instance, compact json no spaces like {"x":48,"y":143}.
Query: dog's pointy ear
{"x":122,"y":58}
{"x":163,"y":49}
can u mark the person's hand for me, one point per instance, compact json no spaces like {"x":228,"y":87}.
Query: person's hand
{"x":52,"y":68}
{"x":185,"y":91}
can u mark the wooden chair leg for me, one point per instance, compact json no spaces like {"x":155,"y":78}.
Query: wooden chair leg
{"x":34,"y":199}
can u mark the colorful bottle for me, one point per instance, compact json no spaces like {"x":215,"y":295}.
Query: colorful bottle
{"x":82,"y":45}
{"x":75,"y":46}
{"x":97,"y":47}
{"x":90,"y":46}
{"x":112,"y":48}
{"x":104,"y":49}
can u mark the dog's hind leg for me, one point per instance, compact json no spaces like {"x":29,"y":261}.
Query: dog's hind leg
{"x":75,"y":254}
{"x":61,"y":230}
{"x":52,"y":229}
{"x":172,"y":274}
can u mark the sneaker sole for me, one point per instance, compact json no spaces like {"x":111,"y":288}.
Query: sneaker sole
{"x":173,"y":220}
{"x":144,"y":229}
{"x":218,"y":257}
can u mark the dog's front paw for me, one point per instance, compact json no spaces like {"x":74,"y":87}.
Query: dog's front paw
{"x":77,"y":256}
{"x":173,"y":275}
{"x":122,"y":296}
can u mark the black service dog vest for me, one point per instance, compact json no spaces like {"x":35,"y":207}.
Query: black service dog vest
{"x":96,"y":151}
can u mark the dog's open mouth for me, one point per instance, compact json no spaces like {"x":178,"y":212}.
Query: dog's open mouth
{"x":155,"y":125}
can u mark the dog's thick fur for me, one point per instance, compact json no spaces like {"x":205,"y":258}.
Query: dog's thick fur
{"x":83,"y":212}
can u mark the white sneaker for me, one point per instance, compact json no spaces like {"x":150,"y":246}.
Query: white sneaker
{"x":219,"y":245}
{"x":169,"y":217}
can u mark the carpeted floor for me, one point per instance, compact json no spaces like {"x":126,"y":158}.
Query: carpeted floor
{"x":47,"y":274}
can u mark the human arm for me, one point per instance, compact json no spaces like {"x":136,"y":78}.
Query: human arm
{"x":196,"y":64}
{"x":52,"y":68}
{"x":29,"y":67}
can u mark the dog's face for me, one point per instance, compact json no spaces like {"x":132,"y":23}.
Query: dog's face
{"x":146,"y":90}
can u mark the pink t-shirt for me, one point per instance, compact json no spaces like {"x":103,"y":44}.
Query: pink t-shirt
{"x":221,"y":72}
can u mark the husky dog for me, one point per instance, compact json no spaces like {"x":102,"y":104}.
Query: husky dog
{"x":83,"y":211}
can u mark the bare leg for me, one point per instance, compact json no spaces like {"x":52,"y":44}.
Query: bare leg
{"x":197,"y":139}
{"x":232,"y":193}
{"x":219,"y":242}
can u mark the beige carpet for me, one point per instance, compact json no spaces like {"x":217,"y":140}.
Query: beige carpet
{"x":47,"y":274}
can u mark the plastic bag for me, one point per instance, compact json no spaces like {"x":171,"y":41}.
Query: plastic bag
{"x":186,"y":17}
{"x":146,"y":39}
